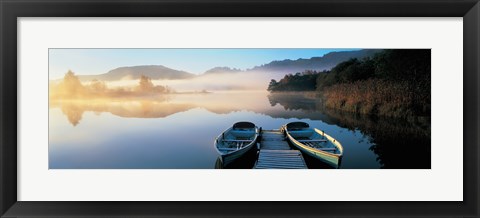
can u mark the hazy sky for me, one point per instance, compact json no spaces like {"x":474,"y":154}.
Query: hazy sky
{"x":197,"y":61}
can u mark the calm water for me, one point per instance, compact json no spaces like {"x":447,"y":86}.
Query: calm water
{"x":177,"y":131}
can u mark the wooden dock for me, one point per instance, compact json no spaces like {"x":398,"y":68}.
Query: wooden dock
{"x":275,"y":153}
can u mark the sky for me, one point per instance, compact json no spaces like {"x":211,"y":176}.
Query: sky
{"x":197,"y":61}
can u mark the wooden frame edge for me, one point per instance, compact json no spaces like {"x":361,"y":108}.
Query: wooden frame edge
{"x":10,"y":10}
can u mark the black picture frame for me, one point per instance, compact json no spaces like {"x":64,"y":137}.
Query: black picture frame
{"x":10,"y":10}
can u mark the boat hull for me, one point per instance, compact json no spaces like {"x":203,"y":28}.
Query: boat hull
{"x":229,"y":158}
{"x":333,"y":160}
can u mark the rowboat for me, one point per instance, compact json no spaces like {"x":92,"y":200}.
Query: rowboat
{"x":314,"y":142}
{"x":236,"y":141}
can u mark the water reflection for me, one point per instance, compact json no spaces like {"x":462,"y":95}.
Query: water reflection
{"x":398,"y":143}
{"x":74,"y":110}
{"x":158,"y":140}
{"x":162,"y":106}
{"x":306,"y":101}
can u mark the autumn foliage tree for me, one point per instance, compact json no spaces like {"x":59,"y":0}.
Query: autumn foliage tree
{"x":98,"y":86}
{"x":72,"y":87}
{"x":69,"y":87}
{"x":145,"y":85}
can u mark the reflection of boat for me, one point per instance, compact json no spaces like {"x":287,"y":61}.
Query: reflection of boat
{"x":236,"y":141}
{"x":314,"y":142}
{"x":218,"y":163}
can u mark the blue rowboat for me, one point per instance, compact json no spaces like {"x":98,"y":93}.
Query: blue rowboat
{"x":237,"y":140}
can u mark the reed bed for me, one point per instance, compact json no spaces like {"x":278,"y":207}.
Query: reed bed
{"x":379,"y":97}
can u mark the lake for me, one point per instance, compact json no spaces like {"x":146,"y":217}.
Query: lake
{"x":177,"y":131}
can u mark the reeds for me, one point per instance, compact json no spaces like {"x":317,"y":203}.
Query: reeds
{"x":380,"y":97}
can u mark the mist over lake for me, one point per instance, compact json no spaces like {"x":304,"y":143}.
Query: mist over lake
{"x":370,"y":109}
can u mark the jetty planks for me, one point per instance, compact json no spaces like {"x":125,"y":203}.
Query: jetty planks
{"x":275,"y":153}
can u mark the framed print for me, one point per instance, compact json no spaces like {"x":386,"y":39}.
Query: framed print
{"x":311,"y":108}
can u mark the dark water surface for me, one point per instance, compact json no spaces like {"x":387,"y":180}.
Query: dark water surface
{"x":178,"y":131}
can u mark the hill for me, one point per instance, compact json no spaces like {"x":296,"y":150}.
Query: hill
{"x":135,"y":72}
{"x":156,"y":72}
{"x":217,"y":70}
{"x":326,"y":62}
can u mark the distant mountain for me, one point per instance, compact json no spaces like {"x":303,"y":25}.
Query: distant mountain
{"x":152,"y":71}
{"x":222,"y":70}
{"x":156,"y":72}
{"x":326,"y":62}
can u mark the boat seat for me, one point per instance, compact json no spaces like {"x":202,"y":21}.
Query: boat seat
{"x":234,"y":140}
{"x":243,"y":133}
{"x":314,"y":140}
{"x":327,"y":149}
{"x":228,"y":149}
{"x":301,"y":133}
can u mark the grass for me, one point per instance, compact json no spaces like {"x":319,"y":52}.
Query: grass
{"x":379,"y":97}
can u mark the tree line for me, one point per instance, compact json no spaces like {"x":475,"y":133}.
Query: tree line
{"x":72,"y":87}
{"x":304,"y":81}
{"x":394,"y":82}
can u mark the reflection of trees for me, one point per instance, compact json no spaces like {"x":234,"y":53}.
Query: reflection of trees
{"x":158,"y":106}
{"x":139,"y":108}
{"x":219,"y":110}
{"x":73,"y":113}
{"x":297,"y":105}
{"x":295,"y":101}
{"x":397,"y":143}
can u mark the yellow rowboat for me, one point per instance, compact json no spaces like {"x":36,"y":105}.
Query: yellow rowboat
{"x":314,"y":142}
